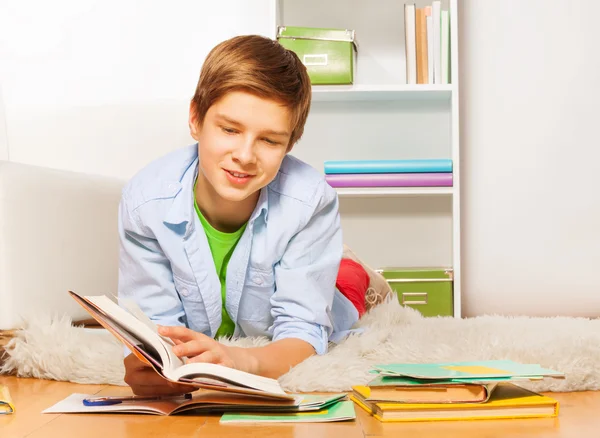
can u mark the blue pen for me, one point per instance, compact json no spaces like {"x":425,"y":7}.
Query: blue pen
{"x":107,"y":401}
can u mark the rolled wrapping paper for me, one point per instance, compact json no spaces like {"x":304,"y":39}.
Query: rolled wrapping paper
{"x":390,"y":180}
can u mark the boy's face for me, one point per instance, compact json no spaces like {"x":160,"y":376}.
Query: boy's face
{"x":242,"y":142}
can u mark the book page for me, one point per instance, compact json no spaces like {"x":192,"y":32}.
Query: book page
{"x":231,"y":375}
{"x":141,"y":330}
{"x":110,"y":314}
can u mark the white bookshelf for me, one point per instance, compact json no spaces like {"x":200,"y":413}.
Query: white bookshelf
{"x":381,"y":117}
{"x":365,"y":92}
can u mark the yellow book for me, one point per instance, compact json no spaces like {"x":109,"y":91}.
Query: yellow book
{"x":507,"y":401}
{"x":6,"y":403}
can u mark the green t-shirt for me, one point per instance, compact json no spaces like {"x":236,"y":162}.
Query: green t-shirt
{"x":221,"y":247}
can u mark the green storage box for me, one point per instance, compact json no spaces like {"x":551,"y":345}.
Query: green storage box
{"x":428,"y":290}
{"x":328,"y":54}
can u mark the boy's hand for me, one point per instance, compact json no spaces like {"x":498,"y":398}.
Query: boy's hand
{"x":198,"y":347}
{"x":143,"y":380}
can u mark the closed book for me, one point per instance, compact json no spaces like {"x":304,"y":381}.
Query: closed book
{"x":421,"y":43}
{"x":507,"y":401}
{"x":387,"y":166}
{"x":406,"y":390}
{"x":390,"y":180}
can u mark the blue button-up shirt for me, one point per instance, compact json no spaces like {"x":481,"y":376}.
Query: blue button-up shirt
{"x":282,"y":274}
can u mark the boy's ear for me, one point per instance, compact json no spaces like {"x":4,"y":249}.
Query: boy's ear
{"x":193,"y":122}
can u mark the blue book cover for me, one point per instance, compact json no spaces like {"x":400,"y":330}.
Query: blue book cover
{"x":388,"y":166}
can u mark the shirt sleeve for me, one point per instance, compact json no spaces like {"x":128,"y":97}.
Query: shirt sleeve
{"x":306,"y":275}
{"x":145,"y":274}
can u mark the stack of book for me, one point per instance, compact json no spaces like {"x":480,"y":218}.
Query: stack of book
{"x":427,"y":44}
{"x":455,"y":391}
{"x":241,"y":397}
{"x":389,"y":173}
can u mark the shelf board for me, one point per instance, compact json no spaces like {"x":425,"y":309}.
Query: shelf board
{"x":357,"y":92}
{"x":393,"y":191}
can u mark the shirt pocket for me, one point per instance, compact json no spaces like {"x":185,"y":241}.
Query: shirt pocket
{"x":193,"y":305}
{"x":255,"y":304}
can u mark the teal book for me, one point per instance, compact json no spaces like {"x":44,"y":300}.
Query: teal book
{"x":477,"y":370}
{"x":340,"y":411}
{"x":387,"y":166}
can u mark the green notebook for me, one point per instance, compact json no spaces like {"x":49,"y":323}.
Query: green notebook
{"x":340,"y":411}
{"x":477,"y":370}
{"x":383,"y":380}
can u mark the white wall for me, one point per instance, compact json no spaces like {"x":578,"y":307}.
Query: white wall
{"x":103,"y":86}
{"x":3,"y":139}
{"x":531,"y":150}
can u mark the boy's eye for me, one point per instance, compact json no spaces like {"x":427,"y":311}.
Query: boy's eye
{"x":269,"y":141}
{"x":228,"y":130}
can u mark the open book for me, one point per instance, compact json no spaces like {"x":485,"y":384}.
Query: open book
{"x":201,"y":402}
{"x":140,"y":335}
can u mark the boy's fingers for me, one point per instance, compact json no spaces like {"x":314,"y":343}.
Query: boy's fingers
{"x":181,"y":333}
{"x":210,"y":356}
{"x":192,"y":348}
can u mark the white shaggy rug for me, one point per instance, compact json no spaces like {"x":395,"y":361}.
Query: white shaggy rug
{"x":54,"y":349}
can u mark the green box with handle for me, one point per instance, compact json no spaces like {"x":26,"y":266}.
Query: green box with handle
{"x":428,"y":290}
{"x":328,"y":54}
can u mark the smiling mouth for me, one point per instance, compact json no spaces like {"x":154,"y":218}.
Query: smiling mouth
{"x":238,"y":174}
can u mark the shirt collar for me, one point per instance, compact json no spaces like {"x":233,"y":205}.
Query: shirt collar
{"x":182,"y":212}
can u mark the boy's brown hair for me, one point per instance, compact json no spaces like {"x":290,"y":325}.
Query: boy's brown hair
{"x":260,"y":66}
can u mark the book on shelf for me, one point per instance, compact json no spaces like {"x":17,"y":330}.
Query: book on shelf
{"x":439,"y":179}
{"x":506,"y":401}
{"x":429,"y":25}
{"x":427,"y":44}
{"x":410,"y":43}
{"x":421,"y":46}
{"x":138,"y":333}
{"x":388,"y":166}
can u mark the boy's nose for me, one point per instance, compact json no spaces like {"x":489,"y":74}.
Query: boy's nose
{"x":244,"y":153}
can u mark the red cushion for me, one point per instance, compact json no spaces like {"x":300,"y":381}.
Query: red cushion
{"x":353,"y":282}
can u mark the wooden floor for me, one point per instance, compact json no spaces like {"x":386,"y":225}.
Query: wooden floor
{"x":579,"y":417}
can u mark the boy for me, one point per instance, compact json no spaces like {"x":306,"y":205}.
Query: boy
{"x":233,"y":237}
